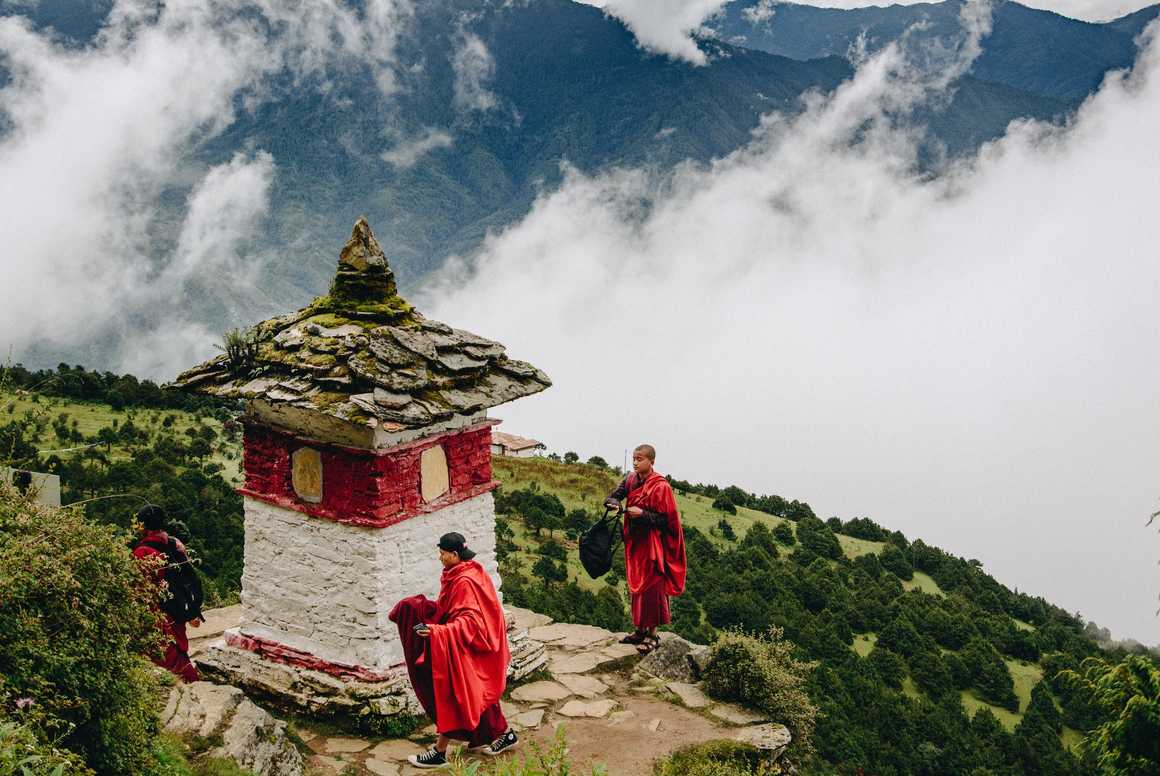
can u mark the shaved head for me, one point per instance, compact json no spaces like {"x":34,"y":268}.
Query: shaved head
{"x":647,"y":450}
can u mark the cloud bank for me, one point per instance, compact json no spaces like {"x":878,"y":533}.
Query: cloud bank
{"x":96,"y":138}
{"x":969,"y":359}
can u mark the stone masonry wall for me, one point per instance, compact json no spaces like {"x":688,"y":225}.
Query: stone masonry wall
{"x":325,"y":588}
{"x":365,"y":487}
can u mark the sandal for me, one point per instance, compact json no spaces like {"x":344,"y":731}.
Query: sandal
{"x":636,"y":637}
{"x":648,"y":644}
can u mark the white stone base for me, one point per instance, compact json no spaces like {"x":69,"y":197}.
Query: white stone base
{"x":325,"y":588}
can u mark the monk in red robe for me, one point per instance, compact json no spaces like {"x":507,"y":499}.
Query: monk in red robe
{"x":152,"y":547}
{"x":457,"y":656}
{"x":654,"y":546}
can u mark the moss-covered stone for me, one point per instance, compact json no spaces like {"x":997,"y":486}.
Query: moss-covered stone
{"x":363,"y":340}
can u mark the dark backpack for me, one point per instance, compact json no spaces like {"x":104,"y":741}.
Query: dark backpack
{"x":599,"y":542}
{"x":185,"y":593}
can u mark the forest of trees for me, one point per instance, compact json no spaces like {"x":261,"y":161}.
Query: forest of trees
{"x":894,"y":707}
{"x":896,"y":710}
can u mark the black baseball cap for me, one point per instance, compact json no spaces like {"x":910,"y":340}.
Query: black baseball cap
{"x":454,"y":542}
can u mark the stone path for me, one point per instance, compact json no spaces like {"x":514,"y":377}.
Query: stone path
{"x":613,"y":712}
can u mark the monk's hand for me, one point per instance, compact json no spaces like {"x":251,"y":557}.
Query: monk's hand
{"x":612,"y":503}
{"x":422,"y":631}
{"x":634,"y":511}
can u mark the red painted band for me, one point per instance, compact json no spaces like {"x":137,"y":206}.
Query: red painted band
{"x":280,"y":653}
{"x":367,"y":487}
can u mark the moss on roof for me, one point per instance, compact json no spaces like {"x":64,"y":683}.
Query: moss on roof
{"x":362,"y":353}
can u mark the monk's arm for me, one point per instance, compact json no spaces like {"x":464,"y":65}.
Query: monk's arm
{"x":618,"y":495}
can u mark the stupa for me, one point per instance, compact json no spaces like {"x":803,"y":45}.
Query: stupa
{"x":366,"y":438}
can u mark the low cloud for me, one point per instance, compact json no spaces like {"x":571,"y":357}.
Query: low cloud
{"x":474,"y":68}
{"x":407,"y":151}
{"x":664,"y":26}
{"x":969,"y":359}
{"x":98,"y":137}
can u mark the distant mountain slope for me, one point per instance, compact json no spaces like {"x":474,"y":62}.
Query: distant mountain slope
{"x":1028,"y":49}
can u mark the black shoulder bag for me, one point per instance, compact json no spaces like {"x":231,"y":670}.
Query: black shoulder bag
{"x":599,"y":542}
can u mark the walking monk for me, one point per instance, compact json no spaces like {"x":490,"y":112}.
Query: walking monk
{"x":654,"y":547}
{"x":457,"y":656}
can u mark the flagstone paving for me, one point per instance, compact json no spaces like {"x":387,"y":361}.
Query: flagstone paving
{"x":608,"y":712}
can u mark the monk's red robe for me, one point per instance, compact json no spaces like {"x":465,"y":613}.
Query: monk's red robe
{"x":176,"y":658}
{"x":466,"y":656}
{"x":654,"y":557}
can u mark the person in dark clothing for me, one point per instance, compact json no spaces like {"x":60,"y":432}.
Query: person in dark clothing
{"x":151,"y":548}
{"x":654,"y":546}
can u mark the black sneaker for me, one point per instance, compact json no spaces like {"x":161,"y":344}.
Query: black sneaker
{"x":432,"y":758}
{"x":502,"y":744}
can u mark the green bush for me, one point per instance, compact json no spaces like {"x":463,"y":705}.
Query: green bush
{"x":74,"y":620}
{"x":762,"y":672}
{"x":23,"y":754}
{"x":715,"y":758}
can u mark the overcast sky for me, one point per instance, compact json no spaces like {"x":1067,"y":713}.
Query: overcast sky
{"x":971,"y":360}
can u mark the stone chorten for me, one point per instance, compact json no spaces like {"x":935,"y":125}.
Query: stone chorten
{"x":366,"y":438}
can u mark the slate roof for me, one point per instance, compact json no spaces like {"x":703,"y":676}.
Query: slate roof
{"x":363,"y":354}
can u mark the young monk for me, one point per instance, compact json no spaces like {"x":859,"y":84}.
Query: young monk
{"x":153,"y":544}
{"x":457,"y":656}
{"x":654,"y":547}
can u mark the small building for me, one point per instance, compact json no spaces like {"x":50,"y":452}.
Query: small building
{"x":40,"y":487}
{"x":515,"y":446}
{"x":366,"y":437}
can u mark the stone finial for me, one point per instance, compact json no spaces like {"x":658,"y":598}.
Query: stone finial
{"x":363,"y":272}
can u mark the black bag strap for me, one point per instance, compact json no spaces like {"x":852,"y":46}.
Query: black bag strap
{"x":613,"y":524}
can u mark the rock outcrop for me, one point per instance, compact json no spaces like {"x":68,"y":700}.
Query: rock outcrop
{"x":249,"y":735}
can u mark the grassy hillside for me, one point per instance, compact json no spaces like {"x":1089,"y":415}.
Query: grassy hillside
{"x":963,"y":643}
{"x":89,"y":418}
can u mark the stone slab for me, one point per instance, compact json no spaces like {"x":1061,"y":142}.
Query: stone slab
{"x":593,"y":709}
{"x":690,"y":694}
{"x":771,"y":737}
{"x":587,"y":687}
{"x":571,"y":636}
{"x":526,"y":619}
{"x":735,"y":715}
{"x":529,"y":720}
{"x":618,"y":651}
{"x":345,"y":745}
{"x":380,"y":768}
{"x":578,"y":663}
{"x":541,"y":692}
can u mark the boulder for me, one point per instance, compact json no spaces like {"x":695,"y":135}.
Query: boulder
{"x":770,"y":737}
{"x":674,"y":660}
{"x":253,"y":738}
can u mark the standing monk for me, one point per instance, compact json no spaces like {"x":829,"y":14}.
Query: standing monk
{"x":654,"y":547}
{"x":457,"y":656}
{"x":164,"y":551}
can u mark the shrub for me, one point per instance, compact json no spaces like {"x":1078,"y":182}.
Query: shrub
{"x":723,"y":503}
{"x":784,"y":534}
{"x":761,"y":672}
{"x":74,"y":620}
{"x":23,"y":754}
{"x":714,"y":758}
{"x":817,"y":537}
